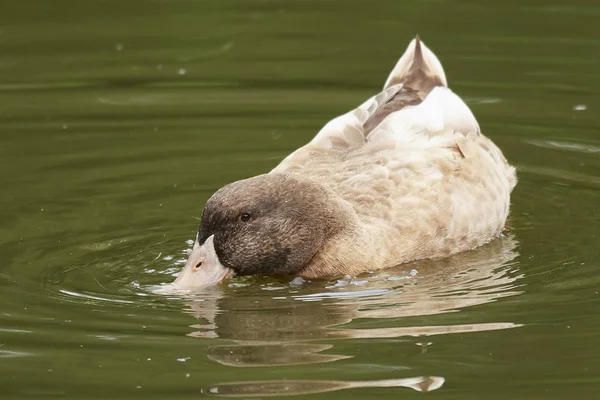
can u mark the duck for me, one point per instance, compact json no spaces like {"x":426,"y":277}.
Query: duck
{"x":405,"y":176}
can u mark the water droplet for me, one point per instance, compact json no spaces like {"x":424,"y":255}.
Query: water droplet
{"x":119,"y":46}
{"x":297,"y":281}
{"x":395,"y":278}
{"x":580,"y":107}
{"x":181,"y":71}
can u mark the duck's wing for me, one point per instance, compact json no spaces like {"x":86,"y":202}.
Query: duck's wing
{"x":416,"y":115}
{"x":417,"y":90}
{"x":414,"y":100}
{"x":424,"y":124}
{"x":348,"y":130}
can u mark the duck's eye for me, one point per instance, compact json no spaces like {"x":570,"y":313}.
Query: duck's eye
{"x":245,"y":217}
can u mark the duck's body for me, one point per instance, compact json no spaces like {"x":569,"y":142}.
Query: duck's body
{"x":423,"y":182}
{"x":406,"y":176}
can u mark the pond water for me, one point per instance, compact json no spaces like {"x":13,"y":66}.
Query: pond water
{"x":119,"y":119}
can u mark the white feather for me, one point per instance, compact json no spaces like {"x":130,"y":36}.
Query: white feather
{"x":442,"y":110}
{"x":350,"y":125}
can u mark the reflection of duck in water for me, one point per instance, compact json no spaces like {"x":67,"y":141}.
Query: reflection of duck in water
{"x":405,"y":176}
{"x":291,"y":387}
{"x":277,"y":328}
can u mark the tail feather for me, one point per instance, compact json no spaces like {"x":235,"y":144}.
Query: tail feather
{"x":418,"y":68}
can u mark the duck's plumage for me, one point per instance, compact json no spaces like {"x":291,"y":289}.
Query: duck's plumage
{"x":407,"y":175}
{"x":422,"y":179}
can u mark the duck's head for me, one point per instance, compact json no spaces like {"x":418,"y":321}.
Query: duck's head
{"x":271,"y":224}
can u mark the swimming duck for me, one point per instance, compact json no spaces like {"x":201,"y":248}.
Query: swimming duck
{"x":407,"y":175}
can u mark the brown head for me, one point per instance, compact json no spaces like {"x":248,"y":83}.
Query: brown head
{"x":271,"y":224}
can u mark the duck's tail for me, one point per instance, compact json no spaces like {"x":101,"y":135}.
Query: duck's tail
{"x":418,"y":68}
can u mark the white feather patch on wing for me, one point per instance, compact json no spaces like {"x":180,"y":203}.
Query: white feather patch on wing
{"x":441,"y":111}
{"x":347,"y":129}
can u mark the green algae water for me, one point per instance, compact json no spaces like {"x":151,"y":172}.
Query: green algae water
{"x":119,"y":119}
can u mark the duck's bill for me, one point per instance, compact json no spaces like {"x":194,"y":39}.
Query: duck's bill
{"x":202,"y":268}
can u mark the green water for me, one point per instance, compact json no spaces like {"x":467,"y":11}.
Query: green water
{"x":119,"y":119}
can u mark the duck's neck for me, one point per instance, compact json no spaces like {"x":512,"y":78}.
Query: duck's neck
{"x":349,"y":252}
{"x":361,"y":247}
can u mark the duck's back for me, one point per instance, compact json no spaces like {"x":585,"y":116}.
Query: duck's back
{"x":422,"y":179}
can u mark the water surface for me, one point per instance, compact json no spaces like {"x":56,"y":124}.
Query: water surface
{"x":118,"y":120}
